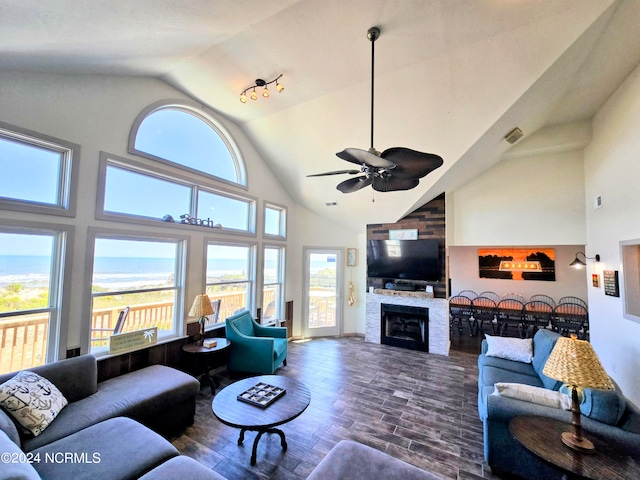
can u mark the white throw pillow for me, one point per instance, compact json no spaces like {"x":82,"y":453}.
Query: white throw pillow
{"x":529,"y":393}
{"x":516,"y":349}
{"x":32,"y":400}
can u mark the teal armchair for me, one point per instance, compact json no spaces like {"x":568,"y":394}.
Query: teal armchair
{"x":255,"y":348}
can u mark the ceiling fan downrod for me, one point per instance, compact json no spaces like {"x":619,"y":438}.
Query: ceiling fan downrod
{"x":373,"y":34}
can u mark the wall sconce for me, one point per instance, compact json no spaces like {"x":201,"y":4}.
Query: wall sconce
{"x":265,"y":91}
{"x":577,"y":263}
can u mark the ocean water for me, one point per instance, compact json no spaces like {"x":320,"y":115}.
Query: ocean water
{"x":34,"y":271}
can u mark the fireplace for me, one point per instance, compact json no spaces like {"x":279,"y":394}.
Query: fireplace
{"x":404,"y":326}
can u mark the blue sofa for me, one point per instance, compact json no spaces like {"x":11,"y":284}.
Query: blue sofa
{"x":254,"y":347}
{"x":606,"y":413}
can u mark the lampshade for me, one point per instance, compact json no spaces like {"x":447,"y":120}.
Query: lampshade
{"x":575,"y":363}
{"x":201,"y":306}
{"x":577,"y":263}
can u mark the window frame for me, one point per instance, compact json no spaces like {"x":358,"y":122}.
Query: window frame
{"x":283,"y":221}
{"x":108,"y":159}
{"x":60,"y":284}
{"x":180,"y":308}
{"x":67,"y":175}
{"x":281,"y":276}
{"x":203,"y":114}
{"x":253,"y":281}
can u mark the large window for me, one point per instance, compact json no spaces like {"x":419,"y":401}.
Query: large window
{"x":144,"y":274}
{"x":35,"y":172}
{"x":273,"y":285}
{"x":231,"y":277}
{"x":187,"y":136}
{"x":31,"y":266}
{"x":133,"y":192}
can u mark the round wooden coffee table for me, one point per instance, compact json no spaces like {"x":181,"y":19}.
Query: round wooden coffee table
{"x":235,"y":413}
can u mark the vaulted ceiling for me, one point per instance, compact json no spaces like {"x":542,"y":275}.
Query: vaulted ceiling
{"x":452,"y":76}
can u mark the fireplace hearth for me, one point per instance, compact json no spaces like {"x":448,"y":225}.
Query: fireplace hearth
{"x":404,"y":326}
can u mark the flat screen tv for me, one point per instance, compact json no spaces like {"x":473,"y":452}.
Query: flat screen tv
{"x":403,"y":259}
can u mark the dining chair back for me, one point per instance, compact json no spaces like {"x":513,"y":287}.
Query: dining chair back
{"x":491,"y":295}
{"x":484,"y":311}
{"x":510,"y":313}
{"x":543,"y":298}
{"x":459,"y":311}
{"x":570,"y":318}
{"x":537,"y":315}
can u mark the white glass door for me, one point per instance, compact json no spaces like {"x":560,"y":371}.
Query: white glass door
{"x":322,"y":312}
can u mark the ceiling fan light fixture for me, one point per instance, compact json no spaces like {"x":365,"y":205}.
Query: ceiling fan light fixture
{"x":265,"y":91}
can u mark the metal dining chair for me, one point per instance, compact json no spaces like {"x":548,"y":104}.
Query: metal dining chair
{"x":483,"y":310}
{"x":467,"y":293}
{"x":491,"y":295}
{"x":459,"y":311}
{"x":510,"y":313}
{"x":536,"y":315}
{"x":570,"y":299}
{"x":513,"y":296}
{"x":543,"y":298}
{"x":570,"y":318}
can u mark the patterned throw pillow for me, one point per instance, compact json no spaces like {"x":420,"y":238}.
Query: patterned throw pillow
{"x":516,"y":349}
{"x":32,"y":400}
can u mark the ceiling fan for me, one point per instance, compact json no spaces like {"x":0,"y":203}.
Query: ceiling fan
{"x":396,"y":168}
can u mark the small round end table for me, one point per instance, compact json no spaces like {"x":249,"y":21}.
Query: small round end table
{"x":208,"y":355}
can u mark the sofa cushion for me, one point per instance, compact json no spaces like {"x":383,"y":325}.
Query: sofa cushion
{"x":12,"y":466}
{"x":8,"y":426}
{"x":606,"y":406}
{"x":140,"y":395}
{"x":32,"y":400}
{"x":543,"y":343}
{"x":516,"y":349}
{"x":181,"y":467}
{"x":354,"y":461}
{"x":531,"y":394}
{"x":490,"y":375}
{"x":116,"y":449}
{"x":76,"y":377}
{"x":517,"y":367}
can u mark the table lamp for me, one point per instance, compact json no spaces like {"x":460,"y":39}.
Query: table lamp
{"x":575,"y":363}
{"x":201,"y":308}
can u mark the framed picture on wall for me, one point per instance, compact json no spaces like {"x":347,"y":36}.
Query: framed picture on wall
{"x":352,"y":257}
{"x":595,"y":280}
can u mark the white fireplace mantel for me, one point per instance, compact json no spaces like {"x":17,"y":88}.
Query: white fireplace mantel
{"x":438,"y":316}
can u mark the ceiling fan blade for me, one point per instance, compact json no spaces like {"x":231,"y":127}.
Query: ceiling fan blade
{"x":354,"y":184}
{"x":392,"y":183}
{"x":359,"y":156}
{"x":410,"y":163}
{"x":336,"y":172}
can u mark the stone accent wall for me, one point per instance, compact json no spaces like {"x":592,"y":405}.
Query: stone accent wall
{"x":438,"y":316}
{"x":429,"y":220}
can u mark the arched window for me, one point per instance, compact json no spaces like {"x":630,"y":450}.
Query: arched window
{"x":183,"y":134}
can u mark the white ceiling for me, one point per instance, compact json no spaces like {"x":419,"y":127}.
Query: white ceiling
{"x":452,"y":76}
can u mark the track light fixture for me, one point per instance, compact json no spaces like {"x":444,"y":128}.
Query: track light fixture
{"x":577,"y":263}
{"x":265,"y":91}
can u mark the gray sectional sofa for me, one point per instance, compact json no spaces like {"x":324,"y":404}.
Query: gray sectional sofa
{"x":607,"y":413}
{"x":100,"y":434}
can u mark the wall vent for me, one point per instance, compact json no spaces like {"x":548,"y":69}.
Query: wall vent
{"x":597,"y":201}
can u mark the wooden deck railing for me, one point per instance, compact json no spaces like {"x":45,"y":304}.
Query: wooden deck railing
{"x":23,"y":342}
{"x":23,"y":338}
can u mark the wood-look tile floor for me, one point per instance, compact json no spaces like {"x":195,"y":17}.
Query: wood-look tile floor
{"x":419,"y":407}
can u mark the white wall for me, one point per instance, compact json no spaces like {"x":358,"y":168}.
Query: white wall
{"x":530,"y":200}
{"x":97,"y":113}
{"x":463,"y":271}
{"x":612,"y":169}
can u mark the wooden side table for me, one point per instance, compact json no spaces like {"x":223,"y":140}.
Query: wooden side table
{"x":542,"y":437}
{"x":208,"y":355}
